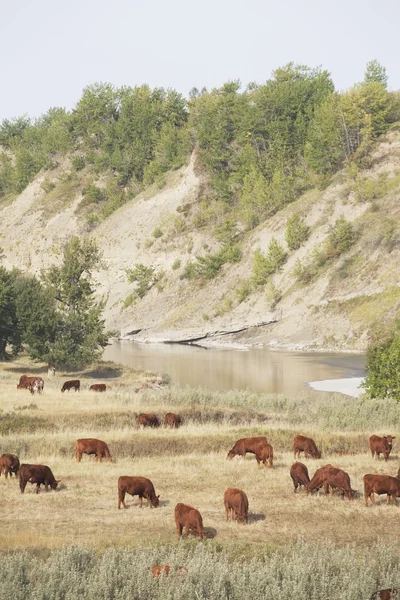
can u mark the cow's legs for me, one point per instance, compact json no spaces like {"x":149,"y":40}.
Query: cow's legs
{"x":78,"y":456}
{"x":141,"y":501}
{"x":37,"y":488}
{"x":179,"y":528}
{"x":226,"y":511}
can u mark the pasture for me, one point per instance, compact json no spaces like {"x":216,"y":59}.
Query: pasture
{"x":189,"y":465}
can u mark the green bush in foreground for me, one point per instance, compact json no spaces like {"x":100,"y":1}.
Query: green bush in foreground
{"x":300,"y":571}
{"x":383,"y":368}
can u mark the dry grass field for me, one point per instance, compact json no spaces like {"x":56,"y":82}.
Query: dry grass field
{"x":187,"y":465}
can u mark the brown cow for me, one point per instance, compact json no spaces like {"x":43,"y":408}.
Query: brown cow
{"x":9,"y":463}
{"x":137,"y":486}
{"x":172,"y":420}
{"x":264,"y":452}
{"x":246,"y":445}
{"x":386,"y":594}
{"x":317,"y":481}
{"x":33,"y":384}
{"x":381,"y":484}
{"x":92,"y":446}
{"x":307,"y":445}
{"x":337,"y":478}
{"x":98,"y":387}
{"x":74,"y":384}
{"x":236,"y":502}
{"x":188,"y":518}
{"x":158,"y":570}
{"x":381,"y":445}
{"x":39,"y":474}
{"x":147,"y":420}
{"x":299,"y":475}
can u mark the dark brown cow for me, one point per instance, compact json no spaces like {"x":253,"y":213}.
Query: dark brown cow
{"x":33,"y":384}
{"x":172,"y":420}
{"x":98,"y":387}
{"x":236,"y":503}
{"x":39,"y":474}
{"x":317,"y":481}
{"x":301,"y":443}
{"x":137,"y":486}
{"x":264,"y":453}
{"x":381,"y":484}
{"x":381,"y":445}
{"x":148,"y":420}
{"x":246,"y":445}
{"x":92,"y":446}
{"x":299,"y":475}
{"x":386,"y":594}
{"x":73,"y":384}
{"x":337,"y":478}
{"x":9,"y":463}
{"x":189,"y":519}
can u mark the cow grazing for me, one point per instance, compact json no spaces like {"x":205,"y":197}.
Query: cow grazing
{"x":245,"y":445}
{"x":148,"y":420}
{"x":172,"y":420}
{"x":33,"y":384}
{"x":264,"y":454}
{"x":306,"y":445}
{"x":92,"y":446}
{"x":317,"y":481}
{"x":336,"y":478}
{"x":98,"y":387}
{"x":236,"y":503}
{"x":386,"y":594}
{"x":39,"y":474}
{"x":299,"y":475}
{"x":189,"y":519}
{"x":158,"y":570}
{"x":73,"y":384}
{"x":381,"y":484}
{"x":381,"y":445}
{"x":137,"y":486}
{"x":9,"y":463}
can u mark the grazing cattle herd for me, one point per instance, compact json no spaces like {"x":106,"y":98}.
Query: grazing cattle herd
{"x":188,"y":518}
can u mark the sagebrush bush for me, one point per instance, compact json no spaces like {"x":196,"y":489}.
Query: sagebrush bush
{"x":297,"y":232}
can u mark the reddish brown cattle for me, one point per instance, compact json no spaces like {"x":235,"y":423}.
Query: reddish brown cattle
{"x":98,"y":387}
{"x":336,"y":478}
{"x":92,"y":446}
{"x":307,"y":445}
{"x":137,"y":486}
{"x":381,"y":484}
{"x":189,"y":519}
{"x":387,"y":594}
{"x":148,"y":420}
{"x":317,"y":480}
{"x":9,"y":463}
{"x":73,"y":384}
{"x":381,"y":445}
{"x":264,"y":453}
{"x":236,"y":503}
{"x":39,"y":474}
{"x":398,"y":474}
{"x":246,"y":445}
{"x":172,"y":420}
{"x":33,"y":384}
{"x":157,"y":570}
{"x":299,"y":475}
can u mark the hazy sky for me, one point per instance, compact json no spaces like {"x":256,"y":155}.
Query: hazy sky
{"x":50,"y":50}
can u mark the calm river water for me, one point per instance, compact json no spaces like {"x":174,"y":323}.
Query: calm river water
{"x":257,"y":369}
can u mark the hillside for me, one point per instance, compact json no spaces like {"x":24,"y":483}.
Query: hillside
{"x":336,"y":307}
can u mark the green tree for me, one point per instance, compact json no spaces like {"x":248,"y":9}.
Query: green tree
{"x":266,"y":265}
{"x":383,"y":369}
{"x":296,"y":232}
{"x":9,"y":330}
{"x":375,"y":73}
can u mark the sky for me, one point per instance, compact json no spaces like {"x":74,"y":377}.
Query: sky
{"x":51,"y":49}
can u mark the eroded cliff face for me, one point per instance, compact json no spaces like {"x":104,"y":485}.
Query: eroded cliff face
{"x":335,"y":310}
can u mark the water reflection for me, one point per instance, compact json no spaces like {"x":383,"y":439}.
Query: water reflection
{"x":259,"y":370}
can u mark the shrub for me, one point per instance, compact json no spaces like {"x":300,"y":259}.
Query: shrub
{"x":78,"y":162}
{"x":296,"y":232}
{"x":223,"y":307}
{"x":157,"y":233}
{"x":342,"y":236}
{"x":176,"y":264}
{"x":264,"y":266}
{"x":48,"y":185}
{"x":243,"y":290}
{"x":207,"y":267}
{"x":145,"y":277}
{"x":383,"y":369}
{"x":93,"y":194}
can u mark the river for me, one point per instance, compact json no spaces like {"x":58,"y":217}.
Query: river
{"x":256,"y":369}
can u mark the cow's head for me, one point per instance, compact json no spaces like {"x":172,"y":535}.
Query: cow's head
{"x":389,"y":439}
{"x":155,"y":501}
{"x":55,"y":484}
{"x":317,"y":454}
{"x":231,"y":454}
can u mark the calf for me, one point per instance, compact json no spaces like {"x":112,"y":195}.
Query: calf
{"x":147,"y":420}
{"x":136,"y":486}
{"x":172,"y":420}
{"x":336,"y":478}
{"x":9,"y":463}
{"x":381,"y":484}
{"x":98,"y":387}
{"x":264,"y":453}
{"x":158,"y":570}
{"x":189,"y":519}
{"x":307,"y":445}
{"x":73,"y":384}
{"x":236,"y":503}
{"x":299,"y":475}
{"x":33,"y":384}
{"x":92,"y":446}
{"x":39,"y":474}
{"x":244,"y":445}
{"x":317,"y":480}
{"x":381,"y":445}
